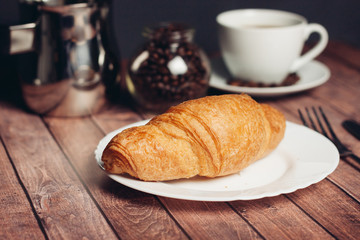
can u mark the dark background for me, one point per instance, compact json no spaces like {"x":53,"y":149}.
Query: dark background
{"x":340,"y":17}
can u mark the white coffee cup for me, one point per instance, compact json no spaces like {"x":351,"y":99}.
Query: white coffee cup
{"x":264,"y":46}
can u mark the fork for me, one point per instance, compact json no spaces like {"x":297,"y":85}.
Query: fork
{"x":330,"y":134}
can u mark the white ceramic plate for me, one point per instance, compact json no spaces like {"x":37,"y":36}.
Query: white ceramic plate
{"x":311,"y":75}
{"x":304,"y":157}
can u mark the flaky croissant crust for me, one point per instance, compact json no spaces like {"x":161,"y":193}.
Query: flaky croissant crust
{"x":211,"y":136}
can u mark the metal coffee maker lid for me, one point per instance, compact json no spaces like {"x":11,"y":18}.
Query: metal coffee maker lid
{"x":63,"y":65}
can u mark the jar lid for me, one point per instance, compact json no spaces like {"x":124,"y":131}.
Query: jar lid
{"x":169,"y":30}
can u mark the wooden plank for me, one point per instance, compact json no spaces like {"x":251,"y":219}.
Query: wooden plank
{"x":59,"y":199}
{"x":345,"y":53}
{"x":279,"y":218}
{"x":332,"y":208}
{"x":116,"y":117}
{"x":134,"y":215}
{"x":209,"y":220}
{"x":347,"y":178}
{"x":343,"y":88}
{"x":17,"y":220}
{"x":272,"y":218}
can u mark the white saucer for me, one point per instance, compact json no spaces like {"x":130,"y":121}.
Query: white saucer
{"x":311,"y":75}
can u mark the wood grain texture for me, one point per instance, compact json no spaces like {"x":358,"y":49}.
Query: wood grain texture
{"x":15,"y":209}
{"x":332,"y":208}
{"x":58,"y":197}
{"x":345,"y":53}
{"x":209,"y":220}
{"x":279,"y":218}
{"x":133,"y":214}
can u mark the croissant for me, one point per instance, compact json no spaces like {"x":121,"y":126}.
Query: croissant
{"x":211,"y":136}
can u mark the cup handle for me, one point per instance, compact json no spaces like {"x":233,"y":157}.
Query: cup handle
{"x":316,"y":50}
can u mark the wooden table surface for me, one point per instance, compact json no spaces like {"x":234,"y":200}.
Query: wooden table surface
{"x":52,"y":188}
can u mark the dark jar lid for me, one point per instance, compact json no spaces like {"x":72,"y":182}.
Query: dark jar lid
{"x":169,"y":31}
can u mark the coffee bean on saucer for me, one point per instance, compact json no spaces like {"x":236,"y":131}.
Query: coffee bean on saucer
{"x":291,"y":79}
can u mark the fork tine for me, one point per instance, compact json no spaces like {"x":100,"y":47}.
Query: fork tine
{"x":319,"y":122}
{"x":311,"y":120}
{"x":328,"y":125}
{"x":302,"y":118}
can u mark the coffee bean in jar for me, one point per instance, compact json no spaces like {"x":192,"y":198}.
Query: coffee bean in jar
{"x":169,"y":68}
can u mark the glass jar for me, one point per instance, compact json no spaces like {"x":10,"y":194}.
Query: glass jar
{"x":168,"y":69}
